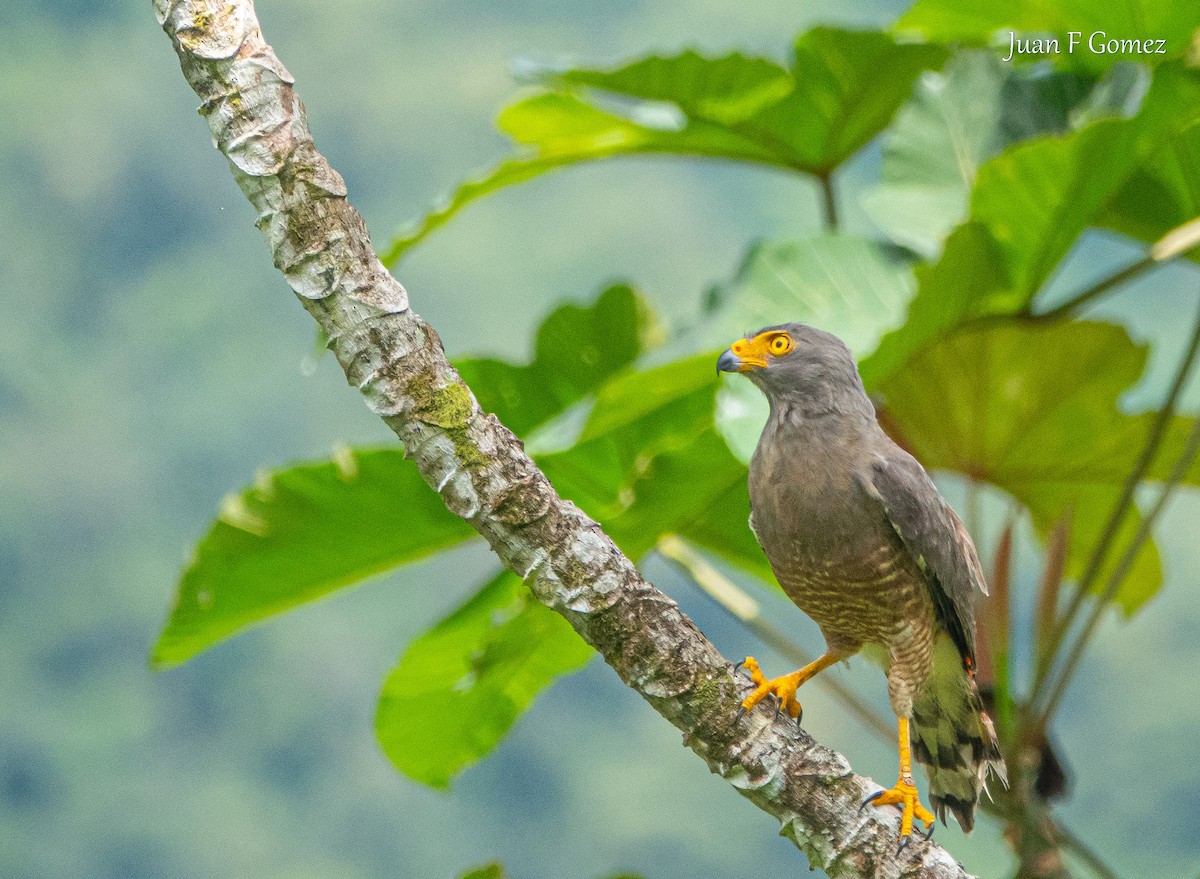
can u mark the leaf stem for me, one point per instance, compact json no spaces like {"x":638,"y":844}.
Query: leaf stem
{"x":1124,"y":565}
{"x":829,"y":197}
{"x":742,"y":607}
{"x":1099,"y":288}
{"x":1158,"y":431}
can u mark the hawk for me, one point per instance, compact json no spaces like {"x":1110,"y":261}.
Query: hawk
{"x":860,"y":539}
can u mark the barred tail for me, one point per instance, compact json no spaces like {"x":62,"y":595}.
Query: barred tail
{"x":954,"y":738}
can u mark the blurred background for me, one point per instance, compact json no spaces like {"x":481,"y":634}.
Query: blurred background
{"x":151,"y":359}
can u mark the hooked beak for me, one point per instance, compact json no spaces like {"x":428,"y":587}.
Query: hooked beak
{"x":729,"y":362}
{"x":740,"y":357}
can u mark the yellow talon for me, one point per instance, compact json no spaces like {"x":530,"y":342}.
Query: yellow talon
{"x":905,"y":795}
{"x":783,"y":688}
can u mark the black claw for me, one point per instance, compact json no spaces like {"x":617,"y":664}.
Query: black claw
{"x":778,"y":708}
{"x":928,"y":834}
{"x":904,"y":841}
{"x":741,"y":712}
{"x":737,"y":666}
{"x":872,"y":798}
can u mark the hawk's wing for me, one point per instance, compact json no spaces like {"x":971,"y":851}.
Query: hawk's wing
{"x":934,"y":536}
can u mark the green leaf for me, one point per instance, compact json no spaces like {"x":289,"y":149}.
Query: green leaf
{"x":298,"y":534}
{"x":1162,"y":194}
{"x":578,"y":348}
{"x":728,"y":89}
{"x":834,"y":103}
{"x":1037,"y":198}
{"x":1029,"y":206}
{"x":853,"y":287}
{"x":459,"y":687}
{"x":809,"y":118}
{"x":990,"y":21}
{"x":848,"y":87}
{"x":934,"y":149}
{"x":638,"y":420}
{"x":963,"y":116}
{"x":1046,"y":429}
{"x":487,"y":871}
{"x":966,"y":281}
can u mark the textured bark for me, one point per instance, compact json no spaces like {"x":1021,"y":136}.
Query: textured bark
{"x":480,"y":469}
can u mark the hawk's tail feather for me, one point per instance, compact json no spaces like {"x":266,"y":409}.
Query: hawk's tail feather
{"x":955,"y":739}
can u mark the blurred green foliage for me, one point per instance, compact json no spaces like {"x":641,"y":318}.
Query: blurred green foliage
{"x":145,"y":374}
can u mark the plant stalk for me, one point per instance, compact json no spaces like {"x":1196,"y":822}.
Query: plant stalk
{"x":829,"y":200}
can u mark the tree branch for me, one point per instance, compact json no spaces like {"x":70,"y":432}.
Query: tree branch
{"x":480,"y":469}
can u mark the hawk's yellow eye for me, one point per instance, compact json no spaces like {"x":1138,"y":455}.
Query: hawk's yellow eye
{"x":781,"y":345}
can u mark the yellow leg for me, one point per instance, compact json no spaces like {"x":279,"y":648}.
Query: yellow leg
{"x":904,"y":794}
{"x":784,"y":688}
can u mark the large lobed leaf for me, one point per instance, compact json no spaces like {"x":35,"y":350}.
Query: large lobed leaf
{"x":298,"y":534}
{"x":851,"y":286}
{"x":840,"y":91}
{"x":728,"y":89}
{"x":848,"y":87}
{"x":965,"y":394}
{"x":1033,"y":410}
{"x":459,"y":688}
{"x":812,"y":117}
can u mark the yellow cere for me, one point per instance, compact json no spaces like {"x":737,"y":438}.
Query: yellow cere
{"x":753,"y":352}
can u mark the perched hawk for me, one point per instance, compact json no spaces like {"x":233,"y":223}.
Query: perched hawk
{"x":862,"y":542}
